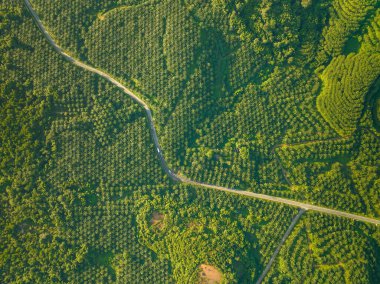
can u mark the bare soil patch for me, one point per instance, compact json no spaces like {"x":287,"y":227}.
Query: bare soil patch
{"x":101,"y":16}
{"x":210,"y":274}
{"x":157,"y":219}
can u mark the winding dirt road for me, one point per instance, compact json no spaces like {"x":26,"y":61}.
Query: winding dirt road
{"x":171,"y":174}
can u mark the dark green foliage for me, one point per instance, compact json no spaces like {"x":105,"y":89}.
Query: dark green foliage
{"x":80,"y":179}
{"x":229,"y":87}
{"x":234,"y":88}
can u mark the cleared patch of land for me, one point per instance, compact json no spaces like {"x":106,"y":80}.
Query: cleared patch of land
{"x":157,"y":219}
{"x":210,"y":274}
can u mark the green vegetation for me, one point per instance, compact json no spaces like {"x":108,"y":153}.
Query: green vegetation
{"x":80,"y":181}
{"x":347,"y":80}
{"x":325,"y":249}
{"x":230,"y":87}
{"x":346,"y":21}
{"x":274,"y":96}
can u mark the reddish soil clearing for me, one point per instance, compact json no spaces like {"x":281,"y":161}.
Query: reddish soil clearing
{"x":210,"y":275}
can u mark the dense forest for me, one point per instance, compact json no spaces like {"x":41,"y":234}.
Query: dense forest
{"x":226,"y":78}
{"x":272,"y":96}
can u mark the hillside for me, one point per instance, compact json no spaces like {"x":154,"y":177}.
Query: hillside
{"x":273,"y":97}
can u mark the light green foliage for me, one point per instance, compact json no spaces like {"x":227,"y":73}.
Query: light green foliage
{"x":325,"y":249}
{"x":347,"y":81}
{"x":371,"y":39}
{"x":347,"y":17}
{"x":189,"y":236}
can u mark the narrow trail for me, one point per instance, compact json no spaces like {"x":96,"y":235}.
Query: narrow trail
{"x":164,"y":165}
{"x":286,"y":235}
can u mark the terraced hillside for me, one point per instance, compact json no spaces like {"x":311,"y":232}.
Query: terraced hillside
{"x":347,"y":81}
